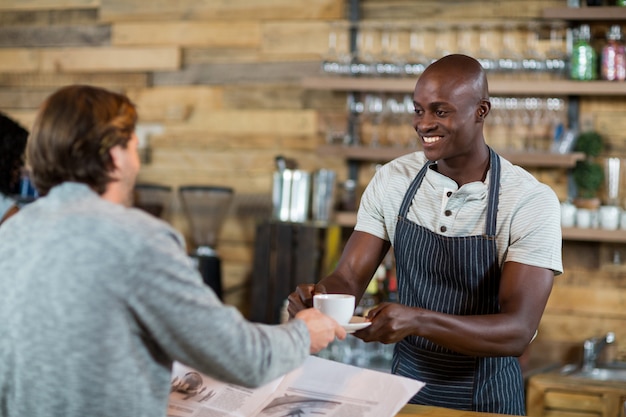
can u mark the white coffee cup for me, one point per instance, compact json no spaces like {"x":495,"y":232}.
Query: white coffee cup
{"x":609,"y":217}
{"x":568,"y":214}
{"x":583,"y":218}
{"x":338,"y":306}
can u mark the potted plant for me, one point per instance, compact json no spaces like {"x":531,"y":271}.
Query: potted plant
{"x":588,"y":175}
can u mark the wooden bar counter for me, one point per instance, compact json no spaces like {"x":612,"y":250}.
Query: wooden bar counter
{"x":413,"y":410}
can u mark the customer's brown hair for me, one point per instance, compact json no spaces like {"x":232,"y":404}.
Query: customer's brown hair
{"x":73,"y":133}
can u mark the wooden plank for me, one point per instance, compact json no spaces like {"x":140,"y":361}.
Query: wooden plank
{"x":236,"y":34}
{"x":237,"y":73}
{"x":439,"y":11}
{"x":75,"y":35}
{"x":496,"y":86}
{"x":587,"y":14}
{"x":197,"y":56}
{"x":125,"y":10}
{"x":560,"y":399}
{"x":575,"y":328}
{"x":109,"y":59}
{"x":118,"y":81}
{"x":48,"y":17}
{"x":295,"y":38}
{"x":606,"y":302}
{"x":266,"y":96}
{"x":47,"y":4}
{"x":174,"y":103}
{"x":23,"y":99}
{"x":277,"y":122}
{"x":16,"y":60}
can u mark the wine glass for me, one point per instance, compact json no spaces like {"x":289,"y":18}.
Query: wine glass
{"x":337,"y":58}
{"x":417,"y":61}
{"x":371,"y":119}
{"x":556,"y":57}
{"x":510,"y":60}
{"x":533,"y":61}
{"x":486,"y":41}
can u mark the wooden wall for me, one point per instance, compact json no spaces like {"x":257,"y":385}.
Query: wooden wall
{"x":219,"y":83}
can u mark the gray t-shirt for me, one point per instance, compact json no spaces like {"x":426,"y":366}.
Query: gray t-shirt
{"x":529,"y":214}
{"x":98,"y":300}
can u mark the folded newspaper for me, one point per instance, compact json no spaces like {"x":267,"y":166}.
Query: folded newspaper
{"x":318,"y":388}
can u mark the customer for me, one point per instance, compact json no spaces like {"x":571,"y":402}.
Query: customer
{"x":12,"y":144}
{"x":98,"y":299}
{"x":477,"y":243}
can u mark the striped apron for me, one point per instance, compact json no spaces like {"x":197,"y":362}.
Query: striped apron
{"x":453,"y":275}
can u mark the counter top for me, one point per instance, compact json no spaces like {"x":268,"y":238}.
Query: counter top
{"x":413,"y":410}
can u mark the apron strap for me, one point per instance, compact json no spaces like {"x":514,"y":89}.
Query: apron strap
{"x":494,"y":194}
{"x":492,"y":200}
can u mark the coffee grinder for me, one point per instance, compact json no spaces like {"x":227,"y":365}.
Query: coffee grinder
{"x":205,"y":208}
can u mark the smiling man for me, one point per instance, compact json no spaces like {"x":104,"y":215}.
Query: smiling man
{"x":477,"y":243}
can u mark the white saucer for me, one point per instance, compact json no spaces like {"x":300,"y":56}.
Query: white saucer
{"x":356,"y":323}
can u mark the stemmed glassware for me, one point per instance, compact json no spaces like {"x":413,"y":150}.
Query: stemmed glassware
{"x":368,"y":48}
{"x":338,"y":56}
{"x":556,"y":56}
{"x":417,"y":61}
{"x":485,"y":54}
{"x":533,"y":61}
{"x":510,"y":58}
{"x":371,"y":119}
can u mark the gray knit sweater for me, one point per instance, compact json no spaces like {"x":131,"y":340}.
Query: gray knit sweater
{"x":97,"y":300}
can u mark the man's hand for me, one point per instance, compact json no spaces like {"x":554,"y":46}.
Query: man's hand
{"x":391,"y":323}
{"x":322,"y":328}
{"x":302,"y":297}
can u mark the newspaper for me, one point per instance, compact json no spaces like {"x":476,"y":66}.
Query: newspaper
{"x":320,"y":388}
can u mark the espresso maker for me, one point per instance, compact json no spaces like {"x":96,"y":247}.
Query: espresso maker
{"x":205,"y":208}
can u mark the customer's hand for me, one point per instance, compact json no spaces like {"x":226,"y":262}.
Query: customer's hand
{"x":322,"y":329}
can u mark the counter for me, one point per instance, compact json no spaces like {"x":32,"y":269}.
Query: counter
{"x":413,"y":410}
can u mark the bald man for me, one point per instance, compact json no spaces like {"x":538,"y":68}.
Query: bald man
{"x":477,"y":243}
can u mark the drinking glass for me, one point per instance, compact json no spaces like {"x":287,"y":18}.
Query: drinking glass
{"x":487,"y":43}
{"x":465,"y":39}
{"x":391,"y":60}
{"x":416,"y":60}
{"x":371,"y":119}
{"x":510,"y":59}
{"x":533,"y":61}
{"x":337,"y":58}
{"x":556,"y":57}
{"x":368,"y":47}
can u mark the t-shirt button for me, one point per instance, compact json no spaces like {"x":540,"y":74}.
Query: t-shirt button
{"x":447,"y":212}
{"x":443,"y":229}
{"x":449,"y":193}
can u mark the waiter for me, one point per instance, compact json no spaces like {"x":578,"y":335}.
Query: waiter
{"x":477,"y":243}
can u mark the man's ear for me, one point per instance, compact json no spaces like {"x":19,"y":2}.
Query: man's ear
{"x":483,"y":109}
{"x":116,"y":154}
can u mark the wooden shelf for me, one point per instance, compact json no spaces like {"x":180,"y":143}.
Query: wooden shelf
{"x":594,"y":235}
{"x":527,"y":159}
{"x":348,"y":219}
{"x":496,"y":86}
{"x":599,"y":13}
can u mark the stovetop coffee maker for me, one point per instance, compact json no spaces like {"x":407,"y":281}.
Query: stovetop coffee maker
{"x":205,"y":208}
